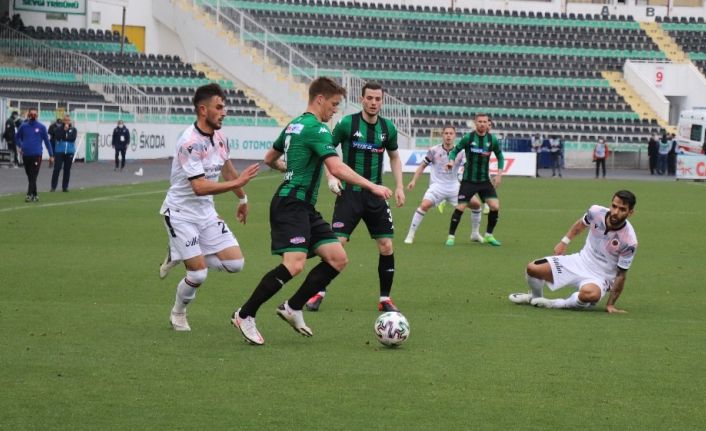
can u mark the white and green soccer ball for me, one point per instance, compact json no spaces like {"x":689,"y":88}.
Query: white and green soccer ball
{"x":391,"y":328}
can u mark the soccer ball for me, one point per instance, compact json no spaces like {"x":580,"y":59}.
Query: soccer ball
{"x":391,"y":328}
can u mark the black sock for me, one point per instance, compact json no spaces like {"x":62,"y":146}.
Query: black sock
{"x":455,"y":219}
{"x":270,"y":284}
{"x":318,"y":278}
{"x":492,"y":221}
{"x":386,"y":272}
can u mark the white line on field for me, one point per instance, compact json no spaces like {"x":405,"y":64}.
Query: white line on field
{"x":98,"y":199}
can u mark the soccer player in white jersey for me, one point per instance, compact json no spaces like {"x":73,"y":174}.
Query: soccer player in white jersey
{"x":600,"y":267}
{"x":197,"y":235}
{"x":443,"y":185}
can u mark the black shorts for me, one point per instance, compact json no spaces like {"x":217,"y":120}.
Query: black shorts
{"x":352,"y":206}
{"x":297,"y":226}
{"x":467,"y":189}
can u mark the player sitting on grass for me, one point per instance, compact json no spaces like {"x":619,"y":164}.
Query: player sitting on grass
{"x":601,"y":266}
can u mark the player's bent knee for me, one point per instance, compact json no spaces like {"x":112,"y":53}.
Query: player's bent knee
{"x":234,"y":265}
{"x":338,"y":261}
{"x":197,"y":278}
{"x":590,"y":293}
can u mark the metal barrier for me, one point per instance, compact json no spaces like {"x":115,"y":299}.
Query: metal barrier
{"x":35,"y":54}
{"x":274,"y":49}
{"x":298,"y":65}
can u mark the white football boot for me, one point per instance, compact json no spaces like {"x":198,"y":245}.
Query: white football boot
{"x":295,"y":318}
{"x":520,"y":298}
{"x":247,"y":328}
{"x":179,"y":322}
{"x":167,"y":265}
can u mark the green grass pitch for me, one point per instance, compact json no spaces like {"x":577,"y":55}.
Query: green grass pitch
{"x":85,"y":341}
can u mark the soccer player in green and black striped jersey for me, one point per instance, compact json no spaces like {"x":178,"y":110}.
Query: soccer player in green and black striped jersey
{"x":478,"y":146}
{"x":364,"y":138}
{"x":298,"y":230}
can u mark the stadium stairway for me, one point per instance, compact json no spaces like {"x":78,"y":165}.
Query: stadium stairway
{"x":664,"y":41}
{"x":204,"y":37}
{"x":636,"y":102}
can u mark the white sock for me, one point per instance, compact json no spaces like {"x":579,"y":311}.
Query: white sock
{"x":572,"y":301}
{"x":536,"y":285}
{"x":475,"y":221}
{"x":184,"y":295}
{"x":322,"y":293}
{"x":416,"y":221}
{"x":384,"y":298}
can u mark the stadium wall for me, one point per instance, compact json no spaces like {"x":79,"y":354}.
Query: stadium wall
{"x":101,"y":16}
{"x":158,"y":141}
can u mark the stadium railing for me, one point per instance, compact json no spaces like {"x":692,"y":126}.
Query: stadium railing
{"x":37,"y":54}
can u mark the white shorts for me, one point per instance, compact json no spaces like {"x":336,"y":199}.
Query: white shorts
{"x":188,"y":239}
{"x":437,"y":193}
{"x":571,"y":270}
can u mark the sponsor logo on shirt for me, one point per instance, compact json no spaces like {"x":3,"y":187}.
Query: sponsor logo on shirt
{"x":294,"y":129}
{"x":367,"y":147}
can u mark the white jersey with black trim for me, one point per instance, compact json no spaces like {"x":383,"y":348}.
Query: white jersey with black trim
{"x":197,"y":155}
{"x":607,"y":250}
{"x":438,"y":157}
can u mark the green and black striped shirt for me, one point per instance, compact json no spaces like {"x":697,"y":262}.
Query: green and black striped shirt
{"x":363,"y":144}
{"x":478,"y":149}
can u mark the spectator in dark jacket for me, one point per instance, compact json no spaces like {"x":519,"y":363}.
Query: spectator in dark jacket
{"x":29,"y":138}
{"x":9,"y":136}
{"x":652,"y":152}
{"x":121,"y":140}
{"x":672,"y":156}
{"x":65,"y":149}
{"x":51,"y":131}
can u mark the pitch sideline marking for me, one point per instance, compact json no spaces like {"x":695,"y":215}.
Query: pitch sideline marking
{"x":98,"y":199}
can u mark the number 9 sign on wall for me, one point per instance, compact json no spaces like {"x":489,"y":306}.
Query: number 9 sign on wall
{"x":659,"y":76}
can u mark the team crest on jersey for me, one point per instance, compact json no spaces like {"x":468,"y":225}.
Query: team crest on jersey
{"x":298,"y":240}
{"x":294,"y":129}
{"x":382,"y":136}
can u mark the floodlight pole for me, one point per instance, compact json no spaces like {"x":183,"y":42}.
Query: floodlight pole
{"x":122,"y":33}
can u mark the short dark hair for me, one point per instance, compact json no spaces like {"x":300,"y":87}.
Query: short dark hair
{"x":372,"y":85}
{"x":627,"y":197}
{"x":325,"y":86}
{"x":482,"y":114}
{"x":15,"y":113}
{"x":207,"y":91}
{"x":448,"y":126}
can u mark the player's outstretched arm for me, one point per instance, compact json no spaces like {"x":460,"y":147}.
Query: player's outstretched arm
{"x":230,"y":173}
{"x":615,"y":292}
{"x":341,"y":171}
{"x":417,"y":174}
{"x":202,"y":187}
{"x":396,"y":166}
{"x":273,"y":160}
{"x":574,"y":231}
{"x":334,"y":184}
